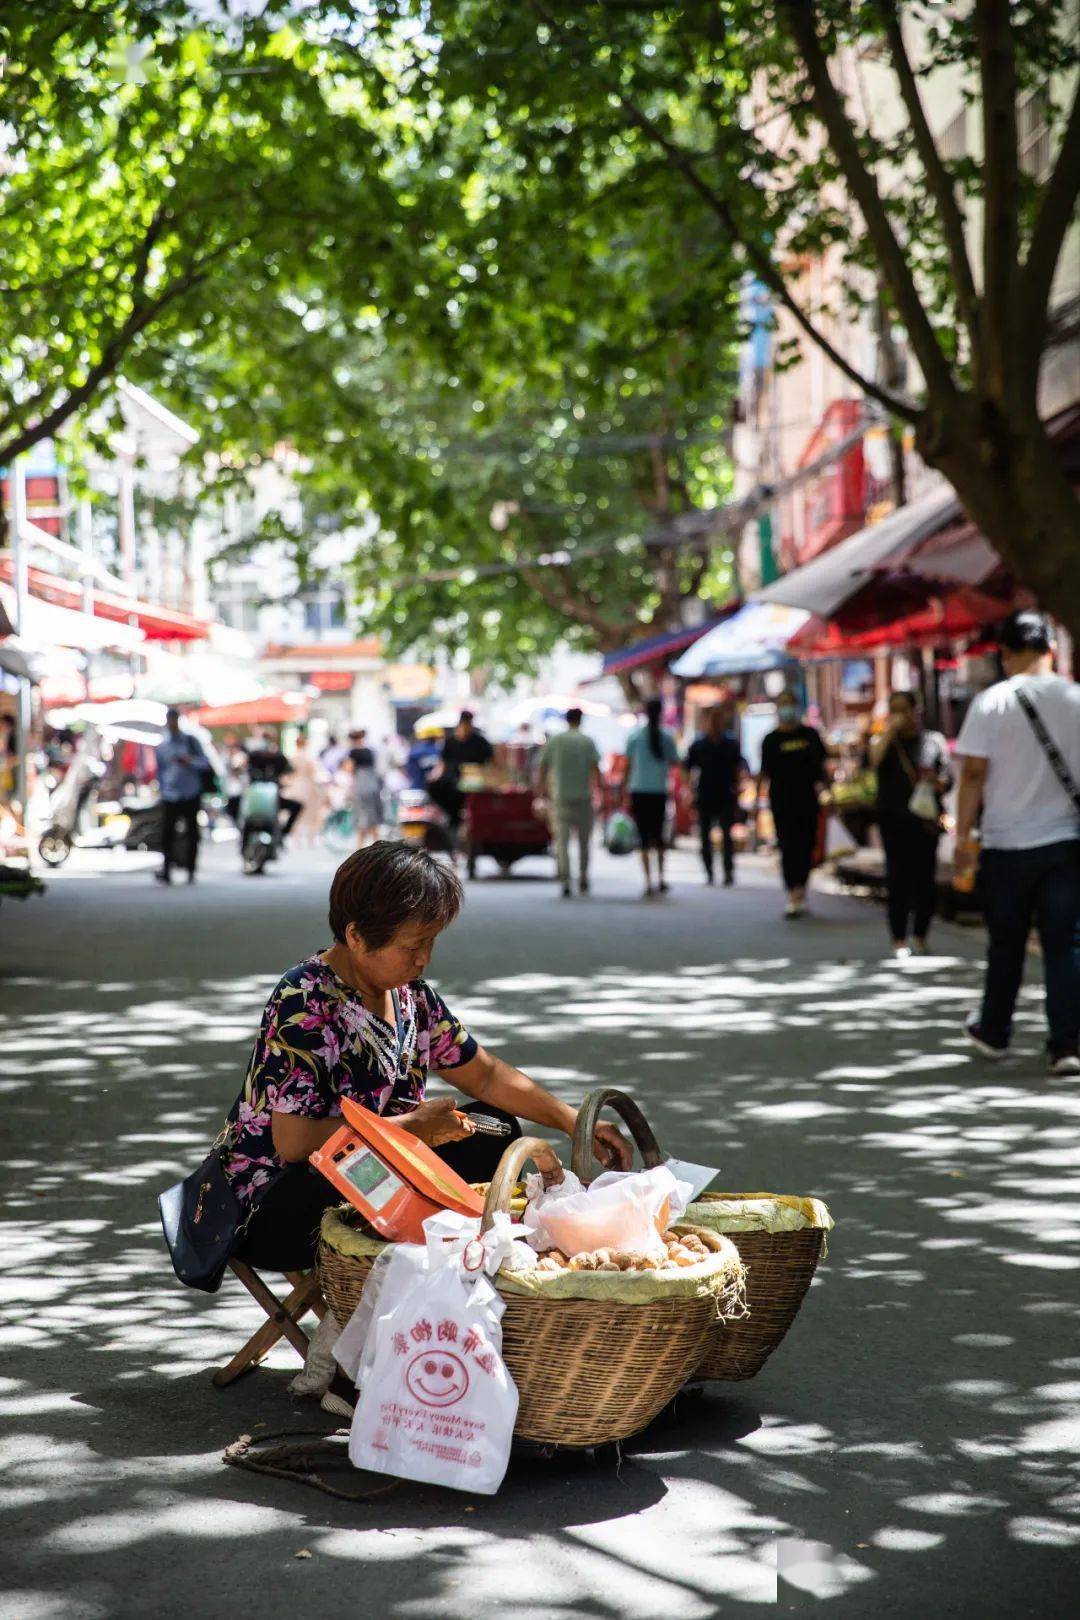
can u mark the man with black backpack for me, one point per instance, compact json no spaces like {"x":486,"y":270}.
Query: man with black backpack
{"x":1020,"y":762}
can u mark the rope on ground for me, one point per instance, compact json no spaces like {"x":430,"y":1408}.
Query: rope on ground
{"x":301,"y":1455}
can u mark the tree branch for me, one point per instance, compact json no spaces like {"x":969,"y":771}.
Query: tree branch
{"x":937,"y":175}
{"x":1001,"y":193}
{"x":573,"y":605}
{"x":801,"y":18}
{"x":1056,"y":214}
{"x":107,"y":363}
{"x":760,"y":260}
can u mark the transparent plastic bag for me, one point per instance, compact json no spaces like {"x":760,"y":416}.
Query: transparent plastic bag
{"x":621,"y":1209}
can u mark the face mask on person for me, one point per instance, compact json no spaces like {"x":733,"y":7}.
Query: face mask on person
{"x":787,"y":712}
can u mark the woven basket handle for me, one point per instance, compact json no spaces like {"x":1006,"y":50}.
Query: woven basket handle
{"x":588,"y":1117}
{"x":506,"y":1176}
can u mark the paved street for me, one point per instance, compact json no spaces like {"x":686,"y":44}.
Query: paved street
{"x":919,"y":1422}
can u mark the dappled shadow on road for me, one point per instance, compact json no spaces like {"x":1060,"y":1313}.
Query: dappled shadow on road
{"x":930,"y":1383}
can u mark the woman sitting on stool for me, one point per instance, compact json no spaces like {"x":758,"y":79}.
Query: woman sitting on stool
{"x":358,"y":1020}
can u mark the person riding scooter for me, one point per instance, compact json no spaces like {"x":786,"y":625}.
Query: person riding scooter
{"x":267,"y":763}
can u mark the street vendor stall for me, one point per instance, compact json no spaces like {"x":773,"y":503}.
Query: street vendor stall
{"x":499,"y":817}
{"x":623,"y":1293}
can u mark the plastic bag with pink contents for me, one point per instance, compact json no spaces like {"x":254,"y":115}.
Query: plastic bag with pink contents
{"x":621,"y":1209}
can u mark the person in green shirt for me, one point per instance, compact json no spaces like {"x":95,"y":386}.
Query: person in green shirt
{"x":569,"y":774}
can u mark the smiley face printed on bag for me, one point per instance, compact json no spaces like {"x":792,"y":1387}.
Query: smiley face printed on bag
{"x":437,"y":1378}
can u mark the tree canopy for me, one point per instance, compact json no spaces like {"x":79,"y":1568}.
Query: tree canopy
{"x":474,"y":260}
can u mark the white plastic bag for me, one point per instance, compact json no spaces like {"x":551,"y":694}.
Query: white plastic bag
{"x":621,"y":1209}
{"x":436,"y":1402}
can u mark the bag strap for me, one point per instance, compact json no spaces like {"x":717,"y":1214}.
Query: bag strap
{"x":909,"y":769}
{"x":1049,"y":748}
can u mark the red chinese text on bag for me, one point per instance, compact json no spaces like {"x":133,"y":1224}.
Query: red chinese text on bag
{"x":436,"y":1402}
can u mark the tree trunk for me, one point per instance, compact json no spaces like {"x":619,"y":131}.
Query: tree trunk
{"x":1012,"y":483}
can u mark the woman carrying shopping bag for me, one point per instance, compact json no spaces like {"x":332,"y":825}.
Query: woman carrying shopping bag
{"x":651,"y":752}
{"x":913,"y":775}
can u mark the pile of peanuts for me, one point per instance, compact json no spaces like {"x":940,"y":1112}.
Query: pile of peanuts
{"x":683,"y":1249}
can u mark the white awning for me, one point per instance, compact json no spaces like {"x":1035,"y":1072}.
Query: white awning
{"x":50,"y":626}
{"x":753,"y":639}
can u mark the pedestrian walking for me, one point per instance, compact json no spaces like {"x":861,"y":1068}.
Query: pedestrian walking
{"x":793,"y":763}
{"x":569,"y":778}
{"x":184,"y":774}
{"x":366,"y":789}
{"x":1020,"y":765}
{"x":650,"y":753}
{"x":913,"y":775}
{"x":307,"y":784}
{"x":332,"y":756}
{"x":715,"y":766}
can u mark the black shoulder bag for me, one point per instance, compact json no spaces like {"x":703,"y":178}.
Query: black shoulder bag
{"x":1050,"y":748}
{"x":203,"y":1221}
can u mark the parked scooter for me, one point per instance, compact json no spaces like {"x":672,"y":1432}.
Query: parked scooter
{"x":260,"y":826}
{"x":70,"y":802}
{"x":423,"y":823}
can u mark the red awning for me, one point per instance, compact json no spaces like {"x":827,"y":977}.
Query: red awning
{"x":156,"y":622}
{"x":960,"y":613}
{"x":275,"y":709}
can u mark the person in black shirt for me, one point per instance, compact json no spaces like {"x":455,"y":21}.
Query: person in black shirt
{"x":465,"y":745}
{"x":905,"y":755}
{"x":266,"y":763}
{"x":715,"y":763}
{"x":793,"y":760}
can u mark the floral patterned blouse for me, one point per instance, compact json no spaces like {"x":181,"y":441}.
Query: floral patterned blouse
{"x":318,"y":1043}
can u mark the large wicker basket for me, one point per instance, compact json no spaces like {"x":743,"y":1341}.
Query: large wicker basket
{"x":589,"y":1369}
{"x":780,"y":1267}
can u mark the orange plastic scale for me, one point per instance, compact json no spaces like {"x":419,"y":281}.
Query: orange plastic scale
{"x":393,"y":1179}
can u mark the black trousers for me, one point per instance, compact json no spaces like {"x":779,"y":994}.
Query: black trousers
{"x":719,"y":813}
{"x":910,"y":872}
{"x":177,"y":813}
{"x":291,"y":809}
{"x":1019,"y":885}
{"x":648,"y":810}
{"x":796,"y":834}
{"x":283,"y":1233}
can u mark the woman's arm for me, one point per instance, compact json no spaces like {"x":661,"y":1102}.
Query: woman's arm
{"x":879,"y":746}
{"x":296,"y":1135}
{"x":434,"y":1122}
{"x":491,"y":1079}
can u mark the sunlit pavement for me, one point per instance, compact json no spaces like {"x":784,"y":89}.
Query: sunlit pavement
{"x":920,"y":1424}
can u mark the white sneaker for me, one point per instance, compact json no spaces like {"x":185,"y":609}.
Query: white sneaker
{"x":1064,"y":1063}
{"x":336,"y":1405}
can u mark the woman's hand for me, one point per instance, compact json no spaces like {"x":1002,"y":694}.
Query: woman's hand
{"x":611,"y":1147}
{"x":436,"y":1122}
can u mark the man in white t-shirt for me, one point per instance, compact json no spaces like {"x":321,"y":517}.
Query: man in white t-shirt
{"x":1030,"y":863}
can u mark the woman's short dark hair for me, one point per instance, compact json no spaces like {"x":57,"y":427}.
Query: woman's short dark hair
{"x":388,"y":885}
{"x":909,"y":698}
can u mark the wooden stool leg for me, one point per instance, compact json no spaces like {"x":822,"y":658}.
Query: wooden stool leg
{"x":284,"y":1316}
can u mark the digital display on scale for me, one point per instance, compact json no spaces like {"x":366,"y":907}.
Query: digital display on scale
{"x":368,"y":1174}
